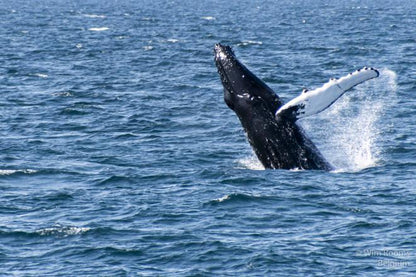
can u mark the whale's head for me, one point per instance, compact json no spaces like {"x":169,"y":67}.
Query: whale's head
{"x":242,"y":89}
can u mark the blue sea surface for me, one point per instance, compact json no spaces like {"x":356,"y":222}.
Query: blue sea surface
{"x":119,"y":156}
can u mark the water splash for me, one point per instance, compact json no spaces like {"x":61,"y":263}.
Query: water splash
{"x":351,"y":137}
{"x":250,"y":162}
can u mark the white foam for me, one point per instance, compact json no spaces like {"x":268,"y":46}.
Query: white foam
{"x":251,"y":163}
{"x":225,"y":197}
{"x":65,"y":231}
{"x":7,"y":171}
{"x":250,"y":42}
{"x":94,"y":16}
{"x":208,"y":17}
{"x":64,"y":94}
{"x":99,"y":29}
{"x":41,"y":75}
{"x":13,"y":171}
{"x":351,"y":139}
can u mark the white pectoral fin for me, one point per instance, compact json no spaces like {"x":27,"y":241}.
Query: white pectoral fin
{"x":317,"y":100}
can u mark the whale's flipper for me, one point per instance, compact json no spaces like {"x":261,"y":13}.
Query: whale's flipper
{"x":317,"y":100}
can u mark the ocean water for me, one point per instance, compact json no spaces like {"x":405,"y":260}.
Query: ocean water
{"x":119,"y":156}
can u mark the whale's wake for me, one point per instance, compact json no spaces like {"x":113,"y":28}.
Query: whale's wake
{"x":349,"y":133}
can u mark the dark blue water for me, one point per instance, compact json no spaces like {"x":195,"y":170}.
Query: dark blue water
{"x":119,"y":156}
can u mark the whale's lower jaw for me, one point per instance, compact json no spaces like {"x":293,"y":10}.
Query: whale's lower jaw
{"x":278,"y":143}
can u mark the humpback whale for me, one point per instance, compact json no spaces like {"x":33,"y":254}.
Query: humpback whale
{"x":270,"y":125}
